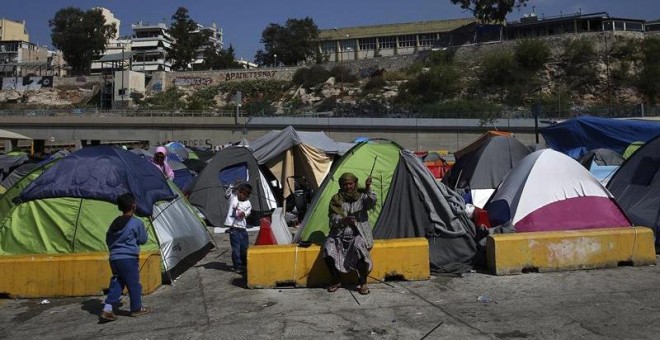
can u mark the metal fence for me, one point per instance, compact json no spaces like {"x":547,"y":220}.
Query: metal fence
{"x":364,"y":111}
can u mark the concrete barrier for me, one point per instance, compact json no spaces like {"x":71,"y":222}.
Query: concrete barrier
{"x":58,"y":275}
{"x":270,"y":266}
{"x":569,"y":250}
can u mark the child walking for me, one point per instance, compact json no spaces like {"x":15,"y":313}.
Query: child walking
{"x":239,"y":209}
{"x":124,"y":237}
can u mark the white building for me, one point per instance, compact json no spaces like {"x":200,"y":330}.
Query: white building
{"x":151,"y":43}
{"x":214,"y":41}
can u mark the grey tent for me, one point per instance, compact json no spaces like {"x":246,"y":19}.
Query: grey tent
{"x":636,"y":187}
{"x":18,"y":173}
{"x":601,"y":157}
{"x":410,"y":203}
{"x":289,"y":153}
{"x":481,"y":170}
{"x":9,"y":162}
{"x":417,"y":206}
{"x":227,"y":168}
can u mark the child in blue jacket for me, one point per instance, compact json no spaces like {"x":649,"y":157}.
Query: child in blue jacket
{"x":124,"y":237}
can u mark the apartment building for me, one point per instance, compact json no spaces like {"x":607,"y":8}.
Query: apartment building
{"x":11,"y":30}
{"x":150,"y":44}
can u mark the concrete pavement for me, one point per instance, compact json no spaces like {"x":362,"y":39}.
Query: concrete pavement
{"x":209,"y":301}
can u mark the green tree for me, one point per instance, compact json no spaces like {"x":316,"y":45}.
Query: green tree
{"x":648,"y":83}
{"x":188,"y":39}
{"x":580,"y":58}
{"x":215,"y":59}
{"x":490,"y":10}
{"x":292,"y":43}
{"x":81,"y":36}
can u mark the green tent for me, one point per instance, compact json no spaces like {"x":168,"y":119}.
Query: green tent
{"x":631,"y":149}
{"x":71,"y":225}
{"x":410,"y":203}
{"x":359,"y":160}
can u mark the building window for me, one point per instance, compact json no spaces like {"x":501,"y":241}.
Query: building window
{"x":367,"y":44}
{"x":328,"y":47}
{"x":407,"y":41}
{"x":634,"y":26}
{"x":346,"y":45}
{"x":426,"y":39}
{"x":386,"y":42}
{"x":618,"y":25}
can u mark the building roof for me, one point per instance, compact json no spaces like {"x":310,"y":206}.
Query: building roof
{"x":393,"y":29}
{"x":127,"y":55}
{"x":546,"y":20}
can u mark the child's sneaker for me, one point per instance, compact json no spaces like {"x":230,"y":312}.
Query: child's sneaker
{"x":108,"y":316}
{"x":141,"y":311}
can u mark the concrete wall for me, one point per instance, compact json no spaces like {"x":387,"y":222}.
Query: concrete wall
{"x":76,"y":81}
{"x":415,"y":134}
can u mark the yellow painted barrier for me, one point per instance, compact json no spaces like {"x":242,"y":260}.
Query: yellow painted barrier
{"x":290,"y":264}
{"x":56,"y":275}
{"x":569,"y":250}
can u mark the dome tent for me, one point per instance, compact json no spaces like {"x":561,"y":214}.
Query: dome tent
{"x":68,"y":208}
{"x":549,"y":191}
{"x":410,"y":203}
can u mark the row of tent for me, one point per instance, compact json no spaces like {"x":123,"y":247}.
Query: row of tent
{"x":541,"y":190}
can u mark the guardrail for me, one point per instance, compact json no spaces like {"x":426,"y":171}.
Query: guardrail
{"x":122,"y":113}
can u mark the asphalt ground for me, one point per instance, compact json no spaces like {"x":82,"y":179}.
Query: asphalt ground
{"x":210,"y":301}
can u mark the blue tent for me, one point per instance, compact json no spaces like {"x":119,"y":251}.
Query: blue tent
{"x":577,"y":136}
{"x":103,"y":173}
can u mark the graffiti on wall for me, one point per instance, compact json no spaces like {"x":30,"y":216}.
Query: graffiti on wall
{"x":26,"y":83}
{"x":207,"y":143}
{"x":228,"y":76}
{"x":192,"y":81}
{"x":249,"y":75}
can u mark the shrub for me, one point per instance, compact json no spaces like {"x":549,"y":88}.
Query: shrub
{"x":532,"y":54}
{"x":343,"y":74}
{"x":309,"y":77}
{"x":374,"y":84}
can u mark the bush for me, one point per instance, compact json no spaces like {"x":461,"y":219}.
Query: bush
{"x":532,"y":54}
{"x":499,"y":69}
{"x":309,"y":77}
{"x":580,"y":58}
{"x":395,"y":76}
{"x":374,"y":84}
{"x":343,"y":74}
{"x":169,"y":99}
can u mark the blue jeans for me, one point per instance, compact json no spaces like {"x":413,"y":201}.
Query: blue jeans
{"x":125,"y":273}
{"x":238,"y":238}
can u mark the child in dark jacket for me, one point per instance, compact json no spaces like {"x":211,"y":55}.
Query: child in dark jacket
{"x":124,"y":237}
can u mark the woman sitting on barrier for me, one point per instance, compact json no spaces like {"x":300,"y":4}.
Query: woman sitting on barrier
{"x":350,"y":238}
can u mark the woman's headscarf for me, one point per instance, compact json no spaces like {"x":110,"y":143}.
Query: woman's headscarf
{"x":165,"y":168}
{"x":342,"y":196}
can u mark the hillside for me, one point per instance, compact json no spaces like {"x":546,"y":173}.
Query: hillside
{"x":597,"y":73}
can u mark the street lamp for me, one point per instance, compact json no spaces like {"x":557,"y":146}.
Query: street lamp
{"x":275,"y":56}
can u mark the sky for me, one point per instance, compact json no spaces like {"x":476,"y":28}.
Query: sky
{"x":243,"y":21}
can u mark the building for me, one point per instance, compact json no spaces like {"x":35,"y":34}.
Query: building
{"x":652,"y":26}
{"x":214,"y":41}
{"x":13,"y":30}
{"x":364,"y":42}
{"x":151,"y":43}
{"x":22,"y":58}
{"x":532,"y":26}
{"x":110,"y":20}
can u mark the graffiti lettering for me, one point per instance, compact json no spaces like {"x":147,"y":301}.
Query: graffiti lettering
{"x":192,"y":81}
{"x":249,"y":75}
{"x":25,"y":83}
{"x":198,"y":142}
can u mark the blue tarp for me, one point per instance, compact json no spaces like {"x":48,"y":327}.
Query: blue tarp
{"x":103,"y":173}
{"x":577,"y":136}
